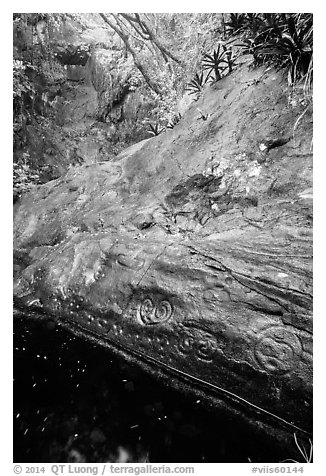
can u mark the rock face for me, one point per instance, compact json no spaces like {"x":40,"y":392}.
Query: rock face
{"x":84,"y":102}
{"x":191,"y":253}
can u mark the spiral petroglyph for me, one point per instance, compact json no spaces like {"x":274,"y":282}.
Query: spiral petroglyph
{"x":277,"y":349}
{"x":154,"y":313}
{"x":163,"y":311}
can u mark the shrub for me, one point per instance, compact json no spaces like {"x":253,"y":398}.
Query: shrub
{"x":236,"y":23}
{"x":174,"y":121}
{"x":155,"y":129}
{"x":196,"y":84}
{"x":215,"y":62}
{"x":293,"y":47}
{"x":24,"y":177}
{"x":285,"y":40}
{"x":230,"y":60}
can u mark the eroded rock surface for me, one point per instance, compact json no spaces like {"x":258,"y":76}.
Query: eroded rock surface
{"x":191,"y":252}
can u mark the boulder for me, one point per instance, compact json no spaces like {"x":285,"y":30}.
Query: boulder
{"x":191,"y":253}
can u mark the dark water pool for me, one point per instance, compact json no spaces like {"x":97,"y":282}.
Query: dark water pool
{"x":75,"y":402}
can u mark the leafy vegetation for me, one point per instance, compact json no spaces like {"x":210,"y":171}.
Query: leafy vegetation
{"x":23,"y":93}
{"x":236,"y":23}
{"x":174,"y":121}
{"x":215,"y":62}
{"x":197,"y":83}
{"x":219,"y":63}
{"x":24,"y":177}
{"x":221,"y":59}
{"x":285,"y":40}
{"x":155,"y":129}
{"x":35,"y":72}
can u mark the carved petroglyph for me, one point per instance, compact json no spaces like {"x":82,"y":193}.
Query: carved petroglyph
{"x":186,"y":344}
{"x":151,"y":313}
{"x":127,"y":255}
{"x":277,"y":349}
{"x":216,"y":289}
{"x":146,"y":310}
{"x":205,"y":349}
{"x":202,"y":346}
{"x":135,"y":263}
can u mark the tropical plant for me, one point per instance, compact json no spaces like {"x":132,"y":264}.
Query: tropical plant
{"x":215,"y":62}
{"x":236,"y":23}
{"x":248,"y":46}
{"x":258,"y":29}
{"x":230,"y":59}
{"x":265,"y":25}
{"x":155,"y":129}
{"x":196,"y":84}
{"x":221,"y":59}
{"x":203,"y":115}
{"x":174,"y":121}
{"x":283,"y":39}
{"x":293,"y":47}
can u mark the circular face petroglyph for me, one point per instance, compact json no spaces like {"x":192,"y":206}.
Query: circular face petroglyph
{"x":146,"y":310}
{"x":277,"y":349}
{"x":150,"y":313}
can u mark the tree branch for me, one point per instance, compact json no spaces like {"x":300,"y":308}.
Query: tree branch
{"x":151,"y":35}
{"x":125,"y":38}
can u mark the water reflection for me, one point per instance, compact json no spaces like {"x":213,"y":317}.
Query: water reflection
{"x":75,"y":402}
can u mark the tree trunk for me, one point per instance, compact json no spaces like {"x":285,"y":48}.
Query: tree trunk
{"x":150,"y":35}
{"x":135,"y":56}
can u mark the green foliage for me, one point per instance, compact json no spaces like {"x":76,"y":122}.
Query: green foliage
{"x":215,"y":62}
{"x":24,"y":177}
{"x":52,"y":72}
{"x":292,"y":47}
{"x":155,"y":129}
{"x":24,"y":93}
{"x":229,"y":58}
{"x":143,"y":57}
{"x":218,"y":62}
{"x":197,"y":83}
{"x":155,"y":56}
{"x":21,"y":83}
{"x":236,"y":23}
{"x":285,"y":40}
{"x":248,"y":46}
{"x":174,"y":121}
{"x":221,"y":59}
{"x":34,"y":70}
